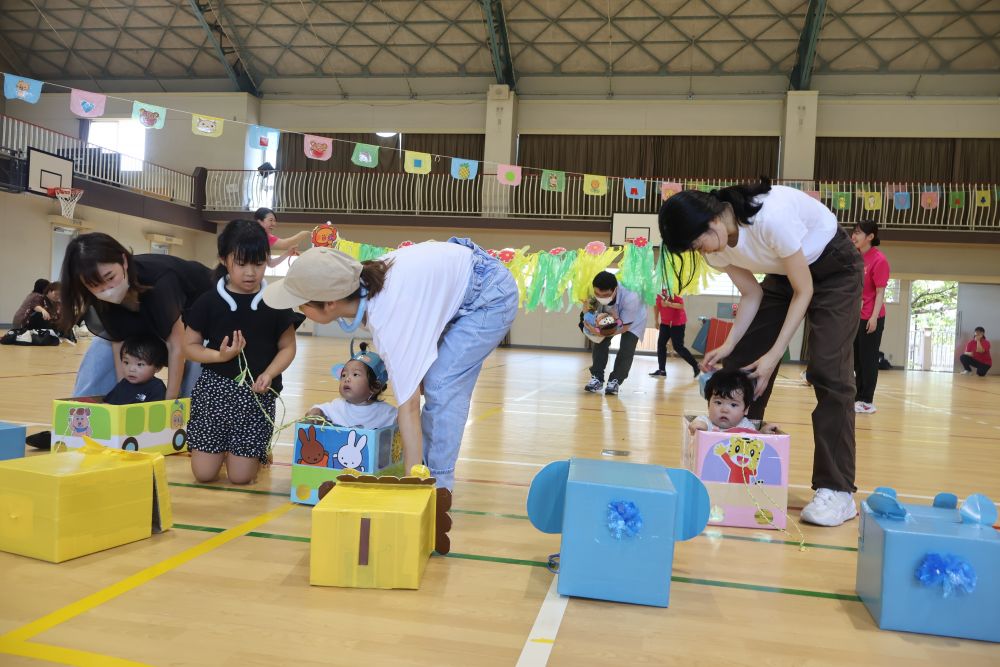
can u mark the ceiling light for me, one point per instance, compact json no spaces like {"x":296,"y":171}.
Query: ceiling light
{"x":386,"y":135}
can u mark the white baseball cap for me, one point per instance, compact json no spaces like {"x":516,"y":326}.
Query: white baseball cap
{"x":318,"y":274}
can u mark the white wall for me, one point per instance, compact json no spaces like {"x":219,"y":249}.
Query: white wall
{"x":28,"y":237}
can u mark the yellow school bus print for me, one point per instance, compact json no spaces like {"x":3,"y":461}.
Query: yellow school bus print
{"x":157,"y":426}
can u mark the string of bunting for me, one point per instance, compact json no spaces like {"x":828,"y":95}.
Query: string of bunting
{"x":86,"y":104}
{"x":559,"y":278}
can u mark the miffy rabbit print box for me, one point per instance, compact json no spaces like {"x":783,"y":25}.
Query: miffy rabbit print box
{"x":323,"y":452}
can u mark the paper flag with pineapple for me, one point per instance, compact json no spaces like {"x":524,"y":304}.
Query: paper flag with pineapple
{"x":463,"y":169}
{"x":842,"y":201}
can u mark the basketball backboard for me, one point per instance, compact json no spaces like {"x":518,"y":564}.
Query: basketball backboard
{"x":47,"y":170}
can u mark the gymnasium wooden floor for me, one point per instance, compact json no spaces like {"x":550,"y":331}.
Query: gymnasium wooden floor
{"x":229,"y":585}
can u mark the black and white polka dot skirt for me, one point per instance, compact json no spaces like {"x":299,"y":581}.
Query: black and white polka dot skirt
{"x":229,"y":418}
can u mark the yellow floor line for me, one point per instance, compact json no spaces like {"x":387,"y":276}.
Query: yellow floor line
{"x":65,"y":656}
{"x":74,"y":609}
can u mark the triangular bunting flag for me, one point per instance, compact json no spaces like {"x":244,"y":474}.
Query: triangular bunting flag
{"x":416,"y":163}
{"x":509,"y":174}
{"x":595,"y":186}
{"x":873,"y":201}
{"x":365,"y":155}
{"x":260,"y":137}
{"x":85,"y":104}
{"x":635,"y":188}
{"x":982,"y":198}
{"x":842,"y":201}
{"x":826,"y":190}
{"x":813,"y":193}
{"x":668,"y":189}
{"x":21,"y":88}
{"x":901,"y":200}
{"x":149,"y":116}
{"x":553,"y":181}
{"x":317,"y":148}
{"x":929,"y":200}
{"x":956,"y":199}
{"x":206,"y":126}
{"x":464,"y":170}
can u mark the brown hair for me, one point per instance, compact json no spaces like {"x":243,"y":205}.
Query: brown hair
{"x":373,"y":274}
{"x":79,"y":269}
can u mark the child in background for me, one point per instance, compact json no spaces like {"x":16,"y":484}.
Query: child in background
{"x":231,"y":422}
{"x":362,"y":380}
{"x":728,"y":393}
{"x":288,"y":247}
{"x":142,"y":357}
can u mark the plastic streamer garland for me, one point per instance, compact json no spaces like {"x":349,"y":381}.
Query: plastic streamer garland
{"x":636,"y":271}
{"x":544,"y":278}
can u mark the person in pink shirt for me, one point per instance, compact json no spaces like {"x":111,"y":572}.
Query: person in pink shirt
{"x":288,"y":247}
{"x":869,"y":337}
{"x":673,"y":320}
{"x":977,"y":354}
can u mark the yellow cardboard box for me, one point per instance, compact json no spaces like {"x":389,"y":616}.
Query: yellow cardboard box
{"x":377,"y":532}
{"x":78,"y":502}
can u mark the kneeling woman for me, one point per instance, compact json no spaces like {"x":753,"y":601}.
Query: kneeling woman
{"x":811,"y":267}
{"x":435,"y":310}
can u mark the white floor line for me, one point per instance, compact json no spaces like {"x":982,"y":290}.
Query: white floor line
{"x":504,"y":463}
{"x":539,"y":644}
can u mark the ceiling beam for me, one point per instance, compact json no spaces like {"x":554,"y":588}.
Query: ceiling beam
{"x":496,"y":35}
{"x":236,"y":72}
{"x":802,"y":72}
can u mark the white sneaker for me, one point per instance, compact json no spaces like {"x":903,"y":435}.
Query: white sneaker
{"x":830,"y":508}
{"x":865,"y":408}
{"x":966,"y":372}
{"x":857,"y":406}
{"x":594,"y":386}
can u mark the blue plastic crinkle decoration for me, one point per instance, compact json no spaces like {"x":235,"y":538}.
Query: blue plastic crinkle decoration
{"x":953,"y":573}
{"x":624,"y":520}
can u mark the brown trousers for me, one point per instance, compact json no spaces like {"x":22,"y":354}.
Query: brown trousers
{"x":833,"y":319}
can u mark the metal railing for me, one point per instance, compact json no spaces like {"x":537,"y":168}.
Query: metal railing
{"x":932,"y":350}
{"x":937,"y":206}
{"x":98,"y":164}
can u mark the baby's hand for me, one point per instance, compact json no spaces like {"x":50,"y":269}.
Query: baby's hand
{"x":315,"y":412}
{"x":696,"y":425}
{"x":771,"y":429}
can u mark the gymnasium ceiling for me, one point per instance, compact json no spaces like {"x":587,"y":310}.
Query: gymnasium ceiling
{"x":439,"y":48}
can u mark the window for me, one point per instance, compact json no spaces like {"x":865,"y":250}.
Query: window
{"x":892,"y":291}
{"x":124,"y":136}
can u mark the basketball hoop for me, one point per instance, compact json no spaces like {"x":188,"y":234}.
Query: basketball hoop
{"x":68,"y":197}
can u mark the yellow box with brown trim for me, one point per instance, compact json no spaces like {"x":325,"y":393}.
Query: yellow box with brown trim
{"x":66,"y":505}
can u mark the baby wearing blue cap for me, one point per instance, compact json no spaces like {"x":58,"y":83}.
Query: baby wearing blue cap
{"x":362,"y":380}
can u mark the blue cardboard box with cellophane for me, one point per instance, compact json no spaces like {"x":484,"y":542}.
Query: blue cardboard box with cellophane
{"x":932,"y":569}
{"x":64,"y":505}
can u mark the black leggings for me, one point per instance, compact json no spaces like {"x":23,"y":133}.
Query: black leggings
{"x":676,"y":336}
{"x":866,"y":360}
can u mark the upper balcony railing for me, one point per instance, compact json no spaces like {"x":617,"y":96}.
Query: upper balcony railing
{"x":98,"y":164}
{"x":932,"y":206}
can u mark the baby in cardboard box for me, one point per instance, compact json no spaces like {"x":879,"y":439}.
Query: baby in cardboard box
{"x":729,"y":394}
{"x":362,"y":380}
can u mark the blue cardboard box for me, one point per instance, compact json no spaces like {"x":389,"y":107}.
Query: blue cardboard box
{"x":619,"y":522}
{"x":931,"y":569}
{"x":324,"y":452}
{"x":11,"y":441}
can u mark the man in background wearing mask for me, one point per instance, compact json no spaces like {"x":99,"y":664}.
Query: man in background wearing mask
{"x":629,"y":309}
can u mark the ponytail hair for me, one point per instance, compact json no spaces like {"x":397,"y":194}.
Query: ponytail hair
{"x":373,"y":274}
{"x":868,"y":227}
{"x":741,"y":198}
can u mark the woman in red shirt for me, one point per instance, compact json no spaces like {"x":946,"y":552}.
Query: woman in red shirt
{"x":869,"y":337}
{"x":977,"y":353}
{"x":673,"y":320}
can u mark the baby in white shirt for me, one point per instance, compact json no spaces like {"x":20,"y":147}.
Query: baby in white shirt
{"x":362,"y":379}
{"x":727,"y":393}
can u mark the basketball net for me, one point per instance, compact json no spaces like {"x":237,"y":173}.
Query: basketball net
{"x":68,"y":197}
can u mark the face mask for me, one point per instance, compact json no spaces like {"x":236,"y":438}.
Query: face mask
{"x":114,"y":294}
{"x":349,"y":327}
{"x":605,"y":300}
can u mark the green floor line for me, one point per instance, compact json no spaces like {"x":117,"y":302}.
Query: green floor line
{"x":768,"y":540}
{"x":524,"y":517}
{"x":537,"y":563}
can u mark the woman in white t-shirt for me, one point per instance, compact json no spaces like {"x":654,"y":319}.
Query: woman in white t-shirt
{"x":811,"y":267}
{"x":435,"y":311}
